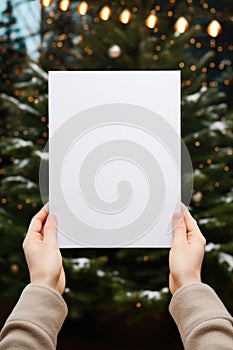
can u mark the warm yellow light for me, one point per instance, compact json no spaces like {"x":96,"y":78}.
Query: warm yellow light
{"x":82,"y":8}
{"x":125,"y":16}
{"x":214,"y":29}
{"x":181,"y":25}
{"x":46,"y":3}
{"x":105,"y":13}
{"x":64,"y":5}
{"x":151,"y":21}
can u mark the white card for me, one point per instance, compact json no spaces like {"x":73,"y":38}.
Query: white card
{"x":114,"y":157}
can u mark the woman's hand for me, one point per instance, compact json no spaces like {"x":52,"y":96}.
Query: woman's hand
{"x":41,"y":251}
{"x":187,"y":251}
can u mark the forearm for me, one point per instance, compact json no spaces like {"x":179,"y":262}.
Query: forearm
{"x":35,"y":321}
{"x":202,"y":319}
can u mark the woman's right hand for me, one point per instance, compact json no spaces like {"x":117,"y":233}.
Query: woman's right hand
{"x":187,"y":251}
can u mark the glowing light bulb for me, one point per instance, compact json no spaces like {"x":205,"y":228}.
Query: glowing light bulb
{"x":151,"y":21}
{"x":105,"y":13}
{"x":46,"y":3}
{"x":64,"y":5}
{"x":214,"y":29}
{"x":125,"y":16}
{"x":181,"y":25}
{"x":82,"y":8}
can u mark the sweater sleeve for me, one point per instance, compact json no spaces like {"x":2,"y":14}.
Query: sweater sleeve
{"x":35,"y":321}
{"x":202,"y":319}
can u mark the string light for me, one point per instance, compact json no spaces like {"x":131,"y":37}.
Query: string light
{"x":181,"y":25}
{"x":220,"y":49}
{"x":214,"y":29}
{"x":151,"y":21}
{"x":226,"y":168}
{"x":82,"y":8}
{"x":125,"y":16}
{"x":138,"y":305}
{"x":105,"y":13}
{"x":213,"y":84}
{"x":212,"y":43}
{"x":46,"y":3}
{"x":64,"y":5}
{"x":14,"y":269}
{"x":2,"y":171}
{"x":205,"y":6}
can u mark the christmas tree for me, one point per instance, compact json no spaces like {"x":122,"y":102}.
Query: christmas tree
{"x":141,"y":35}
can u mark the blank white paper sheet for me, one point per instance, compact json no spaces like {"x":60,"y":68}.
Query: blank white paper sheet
{"x":114,"y":157}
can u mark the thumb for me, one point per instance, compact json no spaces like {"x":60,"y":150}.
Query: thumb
{"x":50,"y":229}
{"x":179,"y":229}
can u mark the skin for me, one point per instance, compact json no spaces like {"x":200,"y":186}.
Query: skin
{"x":41,"y":251}
{"x":44,"y":259}
{"x":187,"y":251}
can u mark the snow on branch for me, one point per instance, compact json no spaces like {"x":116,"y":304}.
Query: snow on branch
{"x":227,"y":259}
{"x":20,"y":105}
{"x":38,"y":70}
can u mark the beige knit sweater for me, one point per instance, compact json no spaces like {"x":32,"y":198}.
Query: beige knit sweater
{"x":35,"y":321}
{"x":202,"y":319}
